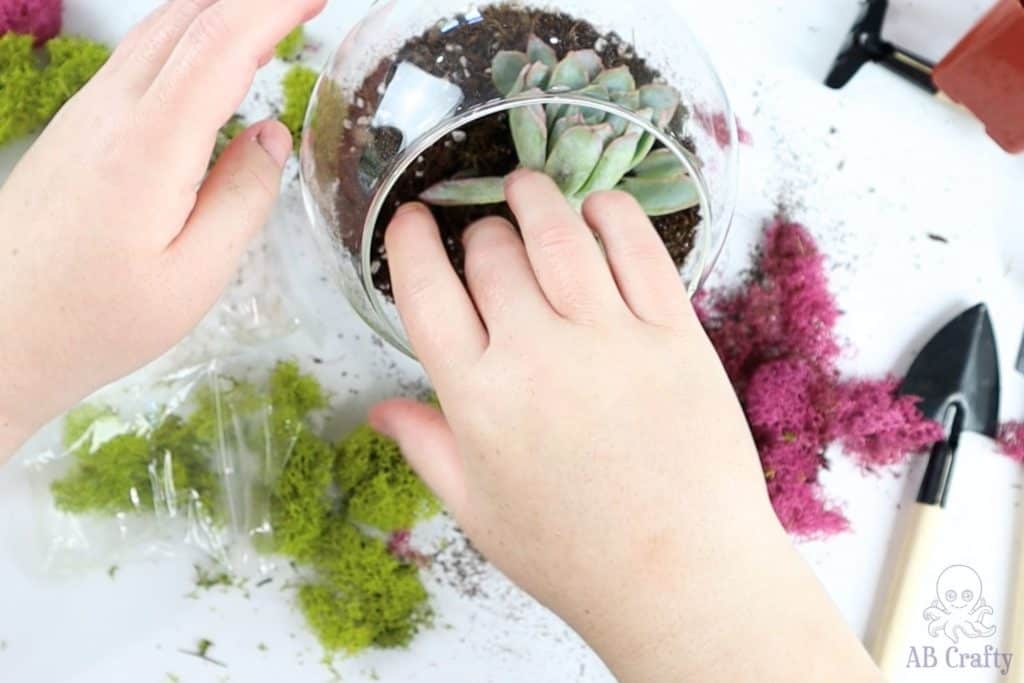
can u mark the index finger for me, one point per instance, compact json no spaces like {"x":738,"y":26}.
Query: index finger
{"x":212,"y":67}
{"x":442,"y":323}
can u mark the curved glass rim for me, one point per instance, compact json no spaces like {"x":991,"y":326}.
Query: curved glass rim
{"x":423,"y":143}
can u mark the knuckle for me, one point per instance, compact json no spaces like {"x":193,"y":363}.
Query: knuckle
{"x":419,"y":286}
{"x":209,"y":29}
{"x":554,"y":239}
{"x":613,"y":202}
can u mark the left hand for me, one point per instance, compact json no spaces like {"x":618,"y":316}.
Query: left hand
{"x":114,"y":241}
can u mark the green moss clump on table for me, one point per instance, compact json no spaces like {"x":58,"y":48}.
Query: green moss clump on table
{"x":299,"y":497}
{"x":363,"y":596}
{"x":360,"y":595}
{"x":291,"y":45}
{"x":35,"y":84}
{"x":380,"y":488}
{"x":297,"y":86}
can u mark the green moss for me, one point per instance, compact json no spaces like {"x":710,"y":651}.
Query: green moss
{"x":34,"y":84}
{"x":72,"y":62}
{"x":293,"y":395}
{"x":79,"y":423}
{"x":112,"y":479}
{"x":380,"y":488}
{"x":292,"y":45}
{"x":228,"y":132}
{"x":327,"y":131}
{"x":211,"y":578}
{"x":297,"y":87}
{"x":220,"y":402}
{"x":300,"y":501}
{"x":136,"y":472}
{"x":363,"y":596}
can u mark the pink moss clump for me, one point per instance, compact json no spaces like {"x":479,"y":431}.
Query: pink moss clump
{"x":776,"y":337}
{"x":1011,"y":440}
{"x":717,"y":126}
{"x":39,"y":18}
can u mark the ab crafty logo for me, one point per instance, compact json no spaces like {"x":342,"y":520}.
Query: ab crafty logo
{"x":957,"y":617}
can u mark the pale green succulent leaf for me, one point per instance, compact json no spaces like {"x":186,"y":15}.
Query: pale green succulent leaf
{"x":466,"y":192}
{"x":537,"y":76}
{"x":661,"y":164}
{"x":614,"y":164}
{"x":627,"y":100}
{"x":647,"y":141}
{"x":619,"y":80}
{"x":663,"y":99}
{"x":554,"y":113}
{"x":539,"y":51}
{"x":575,"y":155}
{"x":563,"y":124}
{"x":530,"y":134}
{"x":575,"y":71}
{"x":594,"y":92}
{"x":618,"y":124}
{"x":661,"y":197}
{"x":505,"y":69}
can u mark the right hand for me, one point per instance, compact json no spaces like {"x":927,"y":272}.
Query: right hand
{"x":591,"y":445}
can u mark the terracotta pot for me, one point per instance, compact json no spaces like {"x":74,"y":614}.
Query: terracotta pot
{"x":985,"y":73}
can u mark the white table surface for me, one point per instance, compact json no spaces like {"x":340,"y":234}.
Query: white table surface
{"x":910,"y":166}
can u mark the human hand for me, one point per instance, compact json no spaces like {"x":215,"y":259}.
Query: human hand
{"x":591,"y":445}
{"x":112,"y":243}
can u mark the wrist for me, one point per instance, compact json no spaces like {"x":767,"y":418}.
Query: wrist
{"x":746,"y":609}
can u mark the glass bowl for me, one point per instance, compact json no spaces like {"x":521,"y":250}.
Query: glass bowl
{"x":422,"y":92}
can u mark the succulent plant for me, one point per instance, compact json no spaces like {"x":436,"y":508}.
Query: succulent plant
{"x":583,"y":149}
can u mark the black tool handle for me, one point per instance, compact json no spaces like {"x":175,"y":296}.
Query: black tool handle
{"x":937,"y":477}
{"x":910,"y":66}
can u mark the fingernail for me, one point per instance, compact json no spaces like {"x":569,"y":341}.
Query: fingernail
{"x":377,"y":420}
{"x":517,"y":175}
{"x":275,"y":143}
{"x":410,"y":207}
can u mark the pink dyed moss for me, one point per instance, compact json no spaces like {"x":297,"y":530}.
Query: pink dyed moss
{"x":877,"y":427}
{"x":717,"y":126}
{"x":39,"y":18}
{"x":1011,"y":440}
{"x":776,"y":337}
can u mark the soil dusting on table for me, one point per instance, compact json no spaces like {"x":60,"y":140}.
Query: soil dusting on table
{"x":484,"y":148}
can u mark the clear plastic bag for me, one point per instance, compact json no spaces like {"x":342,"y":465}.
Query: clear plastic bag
{"x":185,"y":460}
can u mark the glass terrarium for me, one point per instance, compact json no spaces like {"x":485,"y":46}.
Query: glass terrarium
{"x":438,"y":100}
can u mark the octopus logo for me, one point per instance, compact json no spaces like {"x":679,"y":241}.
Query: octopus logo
{"x":959,"y":610}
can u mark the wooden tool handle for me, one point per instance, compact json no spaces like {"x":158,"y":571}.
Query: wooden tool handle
{"x":1015,"y":643}
{"x":899,"y":607}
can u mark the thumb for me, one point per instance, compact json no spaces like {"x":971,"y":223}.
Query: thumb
{"x":233,"y":204}
{"x":428,"y":445}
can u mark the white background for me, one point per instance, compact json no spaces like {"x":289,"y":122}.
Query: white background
{"x":909,"y":166}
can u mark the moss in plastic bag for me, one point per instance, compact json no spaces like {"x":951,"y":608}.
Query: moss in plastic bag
{"x":381,"y":489}
{"x":135,"y":472}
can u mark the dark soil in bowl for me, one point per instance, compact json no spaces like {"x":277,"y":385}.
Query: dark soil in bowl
{"x":483,"y":148}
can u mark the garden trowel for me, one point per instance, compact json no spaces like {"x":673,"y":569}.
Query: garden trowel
{"x":956,"y":376}
{"x":1016,"y":639}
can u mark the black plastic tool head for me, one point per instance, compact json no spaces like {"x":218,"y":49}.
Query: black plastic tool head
{"x":960,"y":367}
{"x":863,"y":44}
{"x":1020,"y":357}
